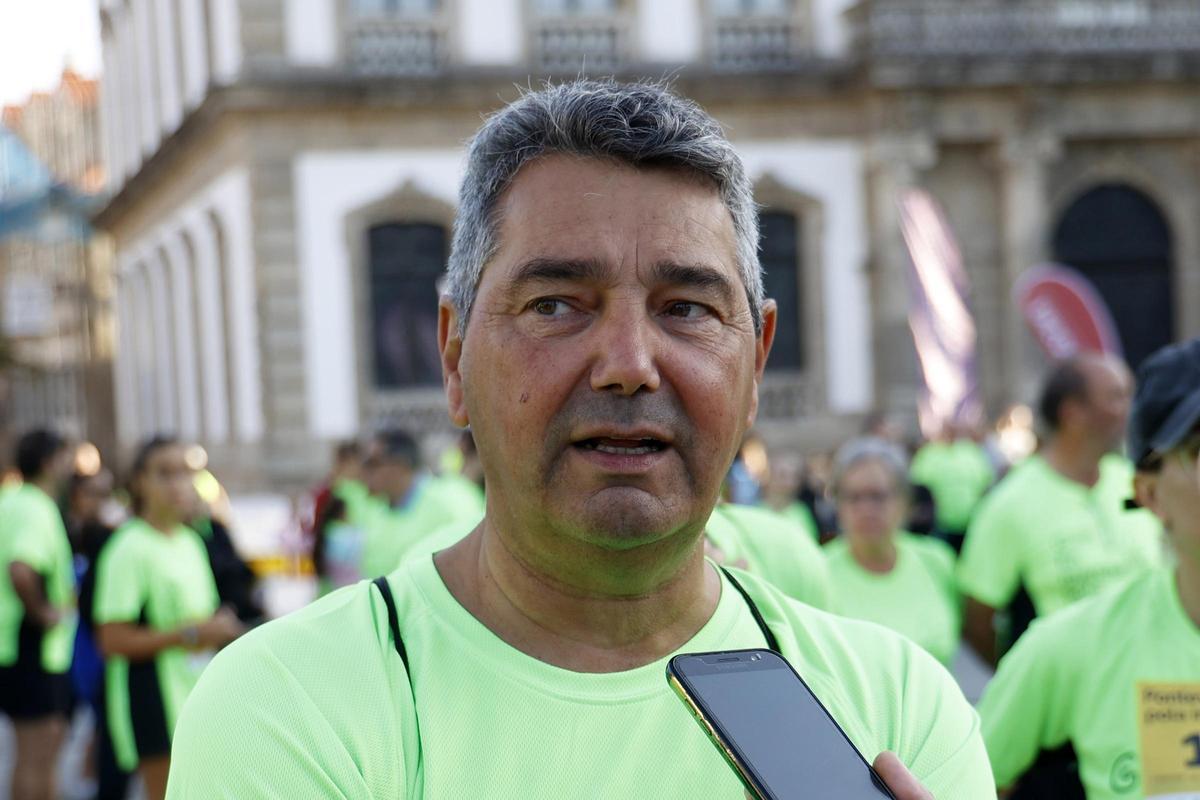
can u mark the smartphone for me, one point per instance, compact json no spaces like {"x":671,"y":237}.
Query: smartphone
{"x":771,"y":728}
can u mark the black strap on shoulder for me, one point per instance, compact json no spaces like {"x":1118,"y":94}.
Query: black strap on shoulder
{"x":772,"y":643}
{"x":393,"y":620}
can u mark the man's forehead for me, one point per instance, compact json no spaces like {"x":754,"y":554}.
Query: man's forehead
{"x":566,"y":207}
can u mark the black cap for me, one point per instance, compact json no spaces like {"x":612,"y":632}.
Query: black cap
{"x":1166,"y":406}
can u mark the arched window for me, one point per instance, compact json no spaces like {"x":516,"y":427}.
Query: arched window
{"x":1118,"y":237}
{"x":779,"y":233}
{"x":404,"y":261}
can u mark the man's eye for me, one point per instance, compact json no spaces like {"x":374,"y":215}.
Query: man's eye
{"x":548,"y":306}
{"x":684,"y":310}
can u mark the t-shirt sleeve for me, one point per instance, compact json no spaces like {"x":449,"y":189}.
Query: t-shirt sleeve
{"x":305,"y":706}
{"x":944,"y":748}
{"x":120,"y":594}
{"x":1025,"y":708}
{"x":33,"y":539}
{"x":990,"y":568}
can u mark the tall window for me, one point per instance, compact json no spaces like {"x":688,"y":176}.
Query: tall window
{"x":406,"y":260}
{"x":1121,"y":241}
{"x":780,"y":255}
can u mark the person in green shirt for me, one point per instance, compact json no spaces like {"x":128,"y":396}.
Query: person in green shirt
{"x":1057,"y":525}
{"x":604,"y":334}
{"x":773,"y":547}
{"x":410,"y":503}
{"x":957,"y":471}
{"x":1118,"y":676}
{"x":156,"y":613}
{"x":880,"y":572}
{"x":37,"y":612}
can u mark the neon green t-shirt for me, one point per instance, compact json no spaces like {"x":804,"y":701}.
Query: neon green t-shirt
{"x":360,"y":505}
{"x":918,"y":598}
{"x":32,"y":532}
{"x":391,"y":532}
{"x":1062,"y":540}
{"x":323,"y":699}
{"x":1118,"y":676}
{"x":772,"y":547}
{"x":163,"y":581}
{"x":958,"y":474}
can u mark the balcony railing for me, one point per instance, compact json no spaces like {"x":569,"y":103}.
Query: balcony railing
{"x":1021,"y":28}
{"x":787,"y":396}
{"x":579,"y":44}
{"x":752,"y":44}
{"x":386,"y":46}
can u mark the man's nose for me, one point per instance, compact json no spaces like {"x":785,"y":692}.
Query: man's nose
{"x":626,"y":358}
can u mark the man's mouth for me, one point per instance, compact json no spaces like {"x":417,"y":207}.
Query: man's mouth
{"x":622,"y":447}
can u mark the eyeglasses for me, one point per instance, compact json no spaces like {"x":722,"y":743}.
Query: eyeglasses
{"x":872,"y":496}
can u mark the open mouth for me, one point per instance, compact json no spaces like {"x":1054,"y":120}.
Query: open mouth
{"x":622,"y":447}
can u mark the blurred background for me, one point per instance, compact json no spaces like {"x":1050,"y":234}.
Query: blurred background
{"x":227,"y":219}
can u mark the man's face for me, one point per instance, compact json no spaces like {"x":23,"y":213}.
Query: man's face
{"x":1172,"y":492}
{"x":1106,"y":406}
{"x":610,"y":366}
{"x":385,"y":476}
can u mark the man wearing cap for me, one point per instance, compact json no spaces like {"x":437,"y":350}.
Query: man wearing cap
{"x":603,"y":334}
{"x":1057,"y":526}
{"x":1117,"y":676}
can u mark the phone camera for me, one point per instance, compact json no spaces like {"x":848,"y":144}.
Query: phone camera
{"x":756,"y":656}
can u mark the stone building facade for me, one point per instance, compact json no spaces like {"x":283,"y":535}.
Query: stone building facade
{"x":284,"y":174}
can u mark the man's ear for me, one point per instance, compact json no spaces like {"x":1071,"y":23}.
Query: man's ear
{"x":762,"y":349}
{"x":1145,"y":491}
{"x":450,"y":346}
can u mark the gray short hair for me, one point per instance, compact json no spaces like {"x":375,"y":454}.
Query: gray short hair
{"x":639,"y":124}
{"x":871,"y":448}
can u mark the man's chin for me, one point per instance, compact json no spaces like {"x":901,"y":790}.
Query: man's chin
{"x":627,"y":519}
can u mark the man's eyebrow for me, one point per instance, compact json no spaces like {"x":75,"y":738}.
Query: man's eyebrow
{"x":700,"y":276}
{"x":538,"y":270}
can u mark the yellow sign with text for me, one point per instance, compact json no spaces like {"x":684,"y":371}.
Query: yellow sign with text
{"x":1169,"y":726}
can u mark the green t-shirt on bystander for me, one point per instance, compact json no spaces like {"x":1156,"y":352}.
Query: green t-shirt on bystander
{"x":958,"y":474}
{"x":1117,"y":676}
{"x":918,"y":598}
{"x":323,"y":699}
{"x":1060,"y":539}
{"x":773,"y":547}
{"x":32,"y":532}
{"x":391,"y":532}
{"x":163,"y":581}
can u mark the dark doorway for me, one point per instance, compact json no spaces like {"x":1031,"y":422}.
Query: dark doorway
{"x":406,"y":261}
{"x":779,"y":232}
{"x":1119,"y":239}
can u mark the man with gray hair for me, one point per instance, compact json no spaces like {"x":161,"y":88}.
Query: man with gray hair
{"x":603,"y":334}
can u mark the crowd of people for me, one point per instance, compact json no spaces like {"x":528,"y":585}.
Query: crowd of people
{"x":608,"y":505}
{"x":112,"y":600}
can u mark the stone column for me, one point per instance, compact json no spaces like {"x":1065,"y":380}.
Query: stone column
{"x":893,"y":165}
{"x":1025,"y":222}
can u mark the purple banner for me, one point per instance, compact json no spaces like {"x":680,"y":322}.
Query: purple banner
{"x":942,"y":326}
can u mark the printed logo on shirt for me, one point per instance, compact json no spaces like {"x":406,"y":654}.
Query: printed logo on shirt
{"x":1169,"y":735}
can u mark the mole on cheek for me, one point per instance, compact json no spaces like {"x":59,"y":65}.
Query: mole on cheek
{"x":524,"y":397}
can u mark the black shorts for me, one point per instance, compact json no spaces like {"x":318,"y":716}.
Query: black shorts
{"x":27,"y":691}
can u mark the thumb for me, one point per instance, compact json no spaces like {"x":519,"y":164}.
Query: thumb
{"x":899,"y":779}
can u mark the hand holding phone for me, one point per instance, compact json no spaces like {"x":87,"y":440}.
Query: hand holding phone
{"x":774,"y":731}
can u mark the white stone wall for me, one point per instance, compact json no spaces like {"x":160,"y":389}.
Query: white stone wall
{"x":328,"y":187}
{"x":188,"y":361}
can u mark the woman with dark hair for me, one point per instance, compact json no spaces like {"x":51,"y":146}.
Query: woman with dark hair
{"x":157,"y":613}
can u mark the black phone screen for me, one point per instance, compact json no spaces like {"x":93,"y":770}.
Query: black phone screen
{"x":776,"y":726}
